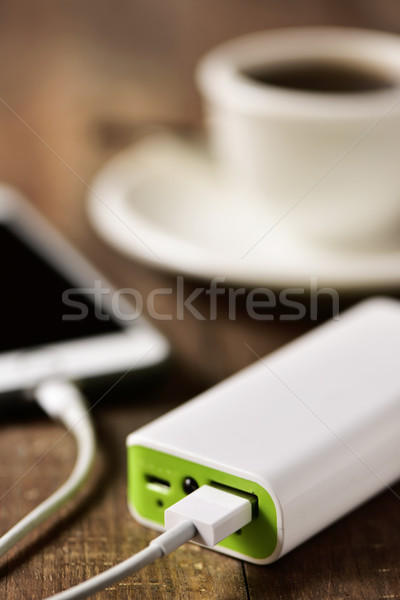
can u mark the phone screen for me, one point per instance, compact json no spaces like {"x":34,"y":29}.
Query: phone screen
{"x":33,"y":310}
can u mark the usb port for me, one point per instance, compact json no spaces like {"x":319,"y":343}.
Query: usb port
{"x":231,"y":490}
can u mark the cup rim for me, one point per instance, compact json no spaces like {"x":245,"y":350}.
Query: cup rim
{"x":221,"y":79}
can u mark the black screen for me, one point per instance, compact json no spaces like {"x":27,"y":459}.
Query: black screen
{"x":33,"y":310}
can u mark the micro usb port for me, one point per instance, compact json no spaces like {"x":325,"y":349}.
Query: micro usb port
{"x":157,"y":483}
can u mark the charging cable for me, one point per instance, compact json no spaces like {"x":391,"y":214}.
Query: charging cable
{"x":207,"y":515}
{"x":61,"y":400}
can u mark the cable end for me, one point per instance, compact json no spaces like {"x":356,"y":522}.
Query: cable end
{"x":216,"y":514}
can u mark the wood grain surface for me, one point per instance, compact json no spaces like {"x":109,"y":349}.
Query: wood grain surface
{"x":79,"y":81}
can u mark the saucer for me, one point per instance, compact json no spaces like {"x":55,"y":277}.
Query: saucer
{"x":164,"y":202}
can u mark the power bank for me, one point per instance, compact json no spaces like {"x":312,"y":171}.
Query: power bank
{"x":308,"y":433}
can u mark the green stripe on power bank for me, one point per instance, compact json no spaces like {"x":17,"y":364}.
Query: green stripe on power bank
{"x":155,"y":481}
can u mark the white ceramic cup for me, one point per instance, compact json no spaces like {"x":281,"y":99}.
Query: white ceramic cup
{"x":326,"y":165}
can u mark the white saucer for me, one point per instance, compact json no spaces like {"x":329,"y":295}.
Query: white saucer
{"x":162,"y":202}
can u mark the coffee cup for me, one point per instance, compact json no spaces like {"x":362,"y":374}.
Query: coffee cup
{"x":305,"y":122}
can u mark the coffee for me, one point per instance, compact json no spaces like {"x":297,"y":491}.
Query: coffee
{"x":320,"y":76}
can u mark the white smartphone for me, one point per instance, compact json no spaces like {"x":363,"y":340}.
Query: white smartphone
{"x":59,"y":316}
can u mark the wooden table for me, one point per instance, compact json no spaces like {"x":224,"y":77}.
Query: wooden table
{"x":79,"y":83}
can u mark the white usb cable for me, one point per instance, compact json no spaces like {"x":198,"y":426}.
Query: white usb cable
{"x":61,"y":400}
{"x":207,"y":515}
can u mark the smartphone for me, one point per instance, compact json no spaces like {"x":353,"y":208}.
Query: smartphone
{"x":60,"y":317}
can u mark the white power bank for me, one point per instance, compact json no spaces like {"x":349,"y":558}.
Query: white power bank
{"x":309,"y":433}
